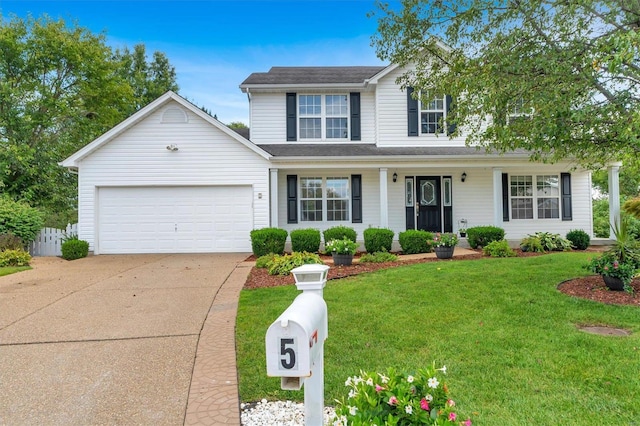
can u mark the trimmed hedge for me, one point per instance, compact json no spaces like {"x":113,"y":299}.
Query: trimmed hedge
{"x":74,"y":248}
{"x":378,"y":239}
{"x":20,"y":219}
{"x":480,"y":236}
{"x":268,"y":240}
{"x":14,"y":258}
{"x":416,"y":241}
{"x":339,"y":233}
{"x":305,"y":240}
{"x":579,"y":239}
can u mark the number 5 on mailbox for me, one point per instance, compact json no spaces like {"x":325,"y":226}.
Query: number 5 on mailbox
{"x":294,"y":340}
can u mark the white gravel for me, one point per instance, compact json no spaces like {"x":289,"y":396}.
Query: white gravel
{"x":277,"y":413}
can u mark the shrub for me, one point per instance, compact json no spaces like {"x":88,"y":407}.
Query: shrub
{"x":344,"y":246}
{"x":379,"y":257}
{"x":305,"y":240}
{"x":263,"y":261}
{"x":498,"y":249}
{"x":14,"y":258}
{"x":268,"y":240}
{"x":19,"y":219}
{"x":10,"y":242}
{"x":531,"y":244}
{"x":339,"y":233}
{"x":553,"y":242}
{"x":282,"y":265}
{"x":579,"y":239}
{"x":480,"y":236}
{"x":415,"y":241}
{"x":74,"y":248}
{"x":378,"y":239}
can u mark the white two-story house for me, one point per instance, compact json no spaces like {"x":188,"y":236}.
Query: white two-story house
{"x":328,"y":146}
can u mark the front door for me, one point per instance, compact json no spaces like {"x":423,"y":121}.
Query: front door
{"x":428,"y":203}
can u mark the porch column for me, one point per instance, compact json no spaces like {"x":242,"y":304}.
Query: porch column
{"x":273,"y":197}
{"x":384,"y":202}
{"x":614,"y":197}
{"x":497,"y":197}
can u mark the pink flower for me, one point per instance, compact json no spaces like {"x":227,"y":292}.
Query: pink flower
{"x":379,"y":388}
{"x":452,"y":417}
{"x":466,"y":422}
{"x":393,"y":400}
{"x":424,"y":404}
{"x":606,"y":268}
{"x":450,"y":403}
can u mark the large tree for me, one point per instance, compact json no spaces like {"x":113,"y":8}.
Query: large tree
{"x":566,"y":70}
{"x":60,"y":87}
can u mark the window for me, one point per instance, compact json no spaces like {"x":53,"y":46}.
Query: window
{"x":545,"y":197}
{"x":324,"y":198}
{"x":519,"y":112}
{"x":323,"y":117}
{"x":432,"y":116}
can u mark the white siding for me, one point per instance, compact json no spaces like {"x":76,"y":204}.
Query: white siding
{"x":138,"y":157}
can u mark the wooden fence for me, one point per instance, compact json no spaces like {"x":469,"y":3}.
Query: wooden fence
{"x":49,"y":241}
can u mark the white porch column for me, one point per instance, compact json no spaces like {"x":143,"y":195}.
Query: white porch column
{"x":384,"y":202}
{"x":273,"y":197}
{"x":497,"y":197}
{"x":614,"y":197}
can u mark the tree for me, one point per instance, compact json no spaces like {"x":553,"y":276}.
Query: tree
{"x":60,"y":88}
{"x":570,"y":69}
{"x":237,"y":125}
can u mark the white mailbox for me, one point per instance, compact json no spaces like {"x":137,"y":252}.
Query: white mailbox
{"x":295,"y":340}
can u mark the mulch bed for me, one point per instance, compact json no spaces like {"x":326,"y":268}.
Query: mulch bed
{"x":590,"y":287}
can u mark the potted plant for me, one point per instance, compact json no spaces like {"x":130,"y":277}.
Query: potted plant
{"x":463,"y":232}
{"x":444,"y":245}
{"x":616,"y":274}
{"x":342,"y":251}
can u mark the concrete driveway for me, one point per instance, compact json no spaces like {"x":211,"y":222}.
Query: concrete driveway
{"x":109,"y":339}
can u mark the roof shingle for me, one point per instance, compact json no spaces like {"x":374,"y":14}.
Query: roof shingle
{"x":313,"y":75}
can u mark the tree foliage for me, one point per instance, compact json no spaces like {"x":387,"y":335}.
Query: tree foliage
{"x":572,"y":66}
{"x":60,"y":87}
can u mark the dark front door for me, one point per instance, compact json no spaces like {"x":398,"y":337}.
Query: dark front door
{"x":428,"y":203}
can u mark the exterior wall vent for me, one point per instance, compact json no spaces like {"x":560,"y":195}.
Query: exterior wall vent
{"x":174,"y":115}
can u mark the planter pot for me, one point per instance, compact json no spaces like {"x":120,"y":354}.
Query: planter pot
{"x":444,"y":252}
{"x":613,"y":283}
{"x":463,"y":234}
{"x":342,"y":259}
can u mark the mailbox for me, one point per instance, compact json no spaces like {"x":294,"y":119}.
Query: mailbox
{"x":294,"y":341}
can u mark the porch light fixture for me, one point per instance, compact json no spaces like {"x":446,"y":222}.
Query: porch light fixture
{"x":463,"y":177}
{"x":173,"y":147}
{"x":395,"y":177}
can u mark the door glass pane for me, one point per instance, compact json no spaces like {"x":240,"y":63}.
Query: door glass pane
{"x":428,"y":193}
{"x":446,"y":182}
{"x":408,"y":185}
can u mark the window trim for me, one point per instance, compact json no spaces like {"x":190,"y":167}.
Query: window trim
{"x":324,"y":116}
{"x":347,"y":200}
{"x":535,"y":197}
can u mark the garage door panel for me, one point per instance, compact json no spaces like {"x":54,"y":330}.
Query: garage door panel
{"x":174,"y":219}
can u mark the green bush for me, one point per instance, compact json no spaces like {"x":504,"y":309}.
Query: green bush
{"x":498,"y":249}
{"x":480,"y":236}
{"x":19,"y":219}
{"x":601,"y":218}
{"x":10,"y":242}
{"x":305,"y":240}
{"x":552,"y":242}
{"x":339,"y":233}
{"x":74,"y":248}
{"x":268,"y":240}
{"x":415,"y":241}
{"x":14,"y":258}
{"x":531,"y":244}
{"x":378,"y":257}
{"x":282,"y":265}
{"x":263,"y":261}
{"x":377,"y":239}
{"x":579,"y":239}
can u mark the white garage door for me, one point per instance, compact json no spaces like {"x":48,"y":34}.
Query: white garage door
{"x":174,"y":219}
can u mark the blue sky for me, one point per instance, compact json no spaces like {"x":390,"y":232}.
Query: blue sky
{"x":215,"y":44}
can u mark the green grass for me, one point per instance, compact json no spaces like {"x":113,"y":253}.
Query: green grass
{"x":7,"y":270}
{"x":507,"y":336}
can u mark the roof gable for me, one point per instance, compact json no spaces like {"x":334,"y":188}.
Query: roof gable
{"x":73,"y":160}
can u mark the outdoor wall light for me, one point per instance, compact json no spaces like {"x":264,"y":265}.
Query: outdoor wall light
{"x":395,"y":177}
{"x":463,"y":177}
{"x":173,"y":147}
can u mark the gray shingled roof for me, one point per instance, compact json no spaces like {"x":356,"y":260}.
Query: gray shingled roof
{"x":364,"y":150}
{"x":312,"y":75}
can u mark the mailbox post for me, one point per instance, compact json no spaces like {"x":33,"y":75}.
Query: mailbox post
{"x":295,"y":342}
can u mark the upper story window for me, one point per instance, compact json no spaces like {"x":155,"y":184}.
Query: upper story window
{"x":323,"y":116}
{"x":432,"y":116}
{"x":535,"y":197}
{"x":519,"y":110}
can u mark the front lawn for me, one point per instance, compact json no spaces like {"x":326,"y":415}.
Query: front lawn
{"x":507,"y":336}
{"x":6,"y":270}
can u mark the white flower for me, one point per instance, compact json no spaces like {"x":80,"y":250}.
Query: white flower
{"x":357,"y":380}
{"x":410,"y":379}
{"x":429,"y":397}
{"x":433,"y":382}
{"x":348,"y":382}
{"x":352,"y":393}
{"x":370,"y":381}
{"x":352,"y":410}
{"x":408,"y":409}
{"x":383,"y":378}
{"x":443,"y":369}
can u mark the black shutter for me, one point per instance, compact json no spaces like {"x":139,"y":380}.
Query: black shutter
{"x":412,"y":113}
{"x":292,"y":199}
{"x":291,"y":117}
{"x":505,"y":197}
{"x":356,"y":198}
{"x":565,"y":188}
{"x":355,"y":116}
{"x":449,"y":104}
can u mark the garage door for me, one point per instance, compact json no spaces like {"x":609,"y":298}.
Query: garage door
{"x":174,"y":219}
